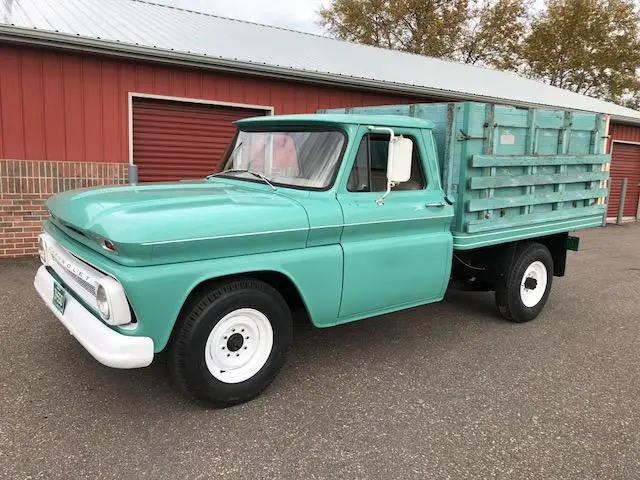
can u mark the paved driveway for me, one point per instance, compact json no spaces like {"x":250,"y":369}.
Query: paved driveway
{"x":442,"y":391}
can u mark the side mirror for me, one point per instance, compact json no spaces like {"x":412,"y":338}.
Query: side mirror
{"x":398,"y":164}
{"x":399,"y":160}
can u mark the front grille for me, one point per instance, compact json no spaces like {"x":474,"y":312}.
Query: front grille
{"x":83,"y":279}
{"x":83,"y":283}
{"x":78,"y":274}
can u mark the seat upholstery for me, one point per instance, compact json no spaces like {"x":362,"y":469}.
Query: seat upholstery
{"x":379,"y":183}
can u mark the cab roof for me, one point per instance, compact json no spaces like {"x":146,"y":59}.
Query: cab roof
{"x":401,"y":121}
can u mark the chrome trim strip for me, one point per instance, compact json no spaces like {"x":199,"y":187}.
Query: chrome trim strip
{"x":224,"y":236}
{"x":355,"y":224}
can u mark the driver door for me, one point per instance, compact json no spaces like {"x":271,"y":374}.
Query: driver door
{"x":397,"y":254}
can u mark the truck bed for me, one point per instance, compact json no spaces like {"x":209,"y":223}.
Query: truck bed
{"x":515,"y":173}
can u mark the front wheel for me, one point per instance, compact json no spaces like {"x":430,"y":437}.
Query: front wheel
{"x":231,"y":343}
{"x":523,"y":291}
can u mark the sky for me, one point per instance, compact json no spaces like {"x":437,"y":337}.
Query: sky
{"x":294,"y":14}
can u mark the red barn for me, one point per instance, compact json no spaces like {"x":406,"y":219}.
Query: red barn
{"x":90,"y":87}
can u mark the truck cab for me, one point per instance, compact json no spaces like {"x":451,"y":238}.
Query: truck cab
{"x":385,"y":229}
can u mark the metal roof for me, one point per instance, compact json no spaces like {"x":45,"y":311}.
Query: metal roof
{"x":144,"y":30}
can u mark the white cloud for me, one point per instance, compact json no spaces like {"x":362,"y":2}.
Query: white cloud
{"x":294,"y":14}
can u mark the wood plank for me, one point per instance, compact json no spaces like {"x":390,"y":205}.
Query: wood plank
{"x":480,"y":204}
{"x":476,"y":226}
{"x":538,"y":160}
{"x":563,"y":149}
{"x":479,"y":183}
{"x":450,"y":145}
{"x":531,"y":149}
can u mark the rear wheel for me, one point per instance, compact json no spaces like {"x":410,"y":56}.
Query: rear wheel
{"x":523,"y":291}
{"x":231,"y":343}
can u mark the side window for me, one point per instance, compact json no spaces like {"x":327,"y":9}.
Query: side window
{"x":369,"y":172}
{"x":359,"y":180}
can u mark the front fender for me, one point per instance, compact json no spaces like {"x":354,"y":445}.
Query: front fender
{"x":157,"y":293}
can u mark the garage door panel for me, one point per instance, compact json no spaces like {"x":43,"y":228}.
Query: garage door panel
{"x":193,"y":135}
{"x":625,"y":163}
{"x":192,"y":119}
{"x":200,"y":125}
{"x":171,"y":159}
{"x":171,"y":150}
{"x":178,"y":140}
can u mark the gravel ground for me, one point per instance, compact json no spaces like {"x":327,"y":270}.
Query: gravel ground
{"x":442,"y":391}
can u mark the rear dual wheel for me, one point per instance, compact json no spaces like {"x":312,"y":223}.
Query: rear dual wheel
{"x":231,"y":343}
{"x":523,"y":291}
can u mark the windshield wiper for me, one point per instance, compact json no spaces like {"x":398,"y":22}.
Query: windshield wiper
{"x":245,"y":170}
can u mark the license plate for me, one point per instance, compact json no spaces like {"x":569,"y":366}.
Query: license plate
{"x":59,"y":297}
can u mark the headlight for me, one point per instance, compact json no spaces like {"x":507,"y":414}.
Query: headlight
{"x":42,"y":249}
{"x":111,"y":302}
{"x":102,"y":299}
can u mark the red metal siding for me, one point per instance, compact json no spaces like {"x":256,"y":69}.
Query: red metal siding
{"x":68,"y":107}
{"x":625,"y":163}
{"x":178,"y":140}
{"x":12,"y":144}
{"x":628,"y":133}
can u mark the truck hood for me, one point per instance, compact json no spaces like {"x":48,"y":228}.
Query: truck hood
{"x":165,"y":223}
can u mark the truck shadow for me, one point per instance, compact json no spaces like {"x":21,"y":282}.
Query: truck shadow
{"x":434,"y":323}
{"x":419,"y":334}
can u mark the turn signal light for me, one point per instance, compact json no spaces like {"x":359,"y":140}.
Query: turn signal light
{"x":109,"y":246}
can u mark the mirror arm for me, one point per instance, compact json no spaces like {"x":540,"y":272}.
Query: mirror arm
{"x":380,"y":201}
{"x":383,"y":129}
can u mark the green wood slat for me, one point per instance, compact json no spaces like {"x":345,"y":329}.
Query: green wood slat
{"x":480,"y":204}
{"x":476,"y":226}
{"x":596,"y":145}
{"x":529,"y":191}
{"x":530,"y":149}
{"x":490,"y":148}
{"x":479,"y":183}
{"x":541,"y":160}
{"x":450,"y":147}
{"x":563,"y":148}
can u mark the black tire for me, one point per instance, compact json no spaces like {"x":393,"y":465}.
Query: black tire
{"x":508,"y":297}
{"x":186,"y":355}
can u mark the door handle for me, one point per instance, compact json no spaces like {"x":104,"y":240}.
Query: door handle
{"x":435,"y":204}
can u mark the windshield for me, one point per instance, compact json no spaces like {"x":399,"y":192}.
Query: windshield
{"x":295,"y":158}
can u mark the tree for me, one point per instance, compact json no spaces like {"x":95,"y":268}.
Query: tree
{"x":487,"y":32}
{"x":587,"y":46}
{"x":632,"y":100}
{"x":496,"y":34}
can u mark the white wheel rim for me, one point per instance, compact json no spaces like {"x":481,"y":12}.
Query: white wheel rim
{"x":239,"y":345}
{"x":533,"y":284}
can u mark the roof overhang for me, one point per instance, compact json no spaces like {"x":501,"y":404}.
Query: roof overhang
{"x":80,"y":44}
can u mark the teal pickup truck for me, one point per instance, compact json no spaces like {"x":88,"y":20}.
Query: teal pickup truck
{"x":339,"y":216}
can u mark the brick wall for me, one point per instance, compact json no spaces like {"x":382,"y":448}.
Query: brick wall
{"x":24,"y":187}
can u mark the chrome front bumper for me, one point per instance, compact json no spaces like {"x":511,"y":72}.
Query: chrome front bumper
{"x":105,"y":345}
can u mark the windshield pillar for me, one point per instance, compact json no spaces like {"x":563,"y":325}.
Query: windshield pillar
{"x":268,"y":161}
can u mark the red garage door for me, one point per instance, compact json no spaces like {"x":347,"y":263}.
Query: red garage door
{"x":625,"y":163}
{"x":179,"y":140}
